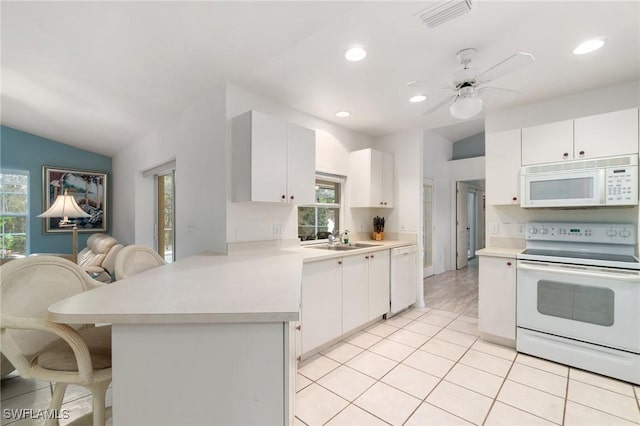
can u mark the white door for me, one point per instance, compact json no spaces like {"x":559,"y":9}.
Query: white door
{"x":301,"y":164}
{"x":462,"y":224}
{"x":427,"y":227}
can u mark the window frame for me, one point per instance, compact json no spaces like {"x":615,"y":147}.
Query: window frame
{"x":340,"y":180}
{"x":26,"y":215}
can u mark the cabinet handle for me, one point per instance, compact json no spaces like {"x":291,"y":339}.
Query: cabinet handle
{"x":299,"y":358}
{"x":565,"y":155}
{"x":372,"y":256}
{"x":385,"y":203}
{"x":581,"y":153}
{"x":381,"y":203}
{"x":508,"y":263}
{"x":515,"y":198}
{"x":339,"y":262}
{"x":292,"y":197}
{"x":366,"y":257}
{"x":284,"y":196}
{"x":298,"y":328}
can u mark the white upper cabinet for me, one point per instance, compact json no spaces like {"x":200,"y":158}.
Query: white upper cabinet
{"x":615,"y":133}
{"x":301,"y":164}
{"x":272,"y":160}
{"x":371,"y":176}
{"x":503,"y":167}
{"x":547,"y":143}
{"x":603,"y":135}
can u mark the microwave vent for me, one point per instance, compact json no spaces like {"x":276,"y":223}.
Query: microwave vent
{"x":581,"y":165}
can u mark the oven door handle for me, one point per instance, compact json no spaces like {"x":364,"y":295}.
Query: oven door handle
{"x":614,"y":275}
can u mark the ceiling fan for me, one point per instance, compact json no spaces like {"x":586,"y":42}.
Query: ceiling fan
{"x":468,"y":83}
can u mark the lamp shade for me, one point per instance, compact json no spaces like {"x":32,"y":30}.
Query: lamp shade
{"x":466,"y":107}
{"x":64,"y":206}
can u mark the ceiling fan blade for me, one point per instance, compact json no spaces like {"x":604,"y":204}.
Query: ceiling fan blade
{"x":440,"y":104}
{"x":511,"y":64}
{"x":493,"y":89}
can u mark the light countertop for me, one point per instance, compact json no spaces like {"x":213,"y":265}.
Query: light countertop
{"x":256,"y":287}
{"x":311,"y":254}
{"x":500,"y":252}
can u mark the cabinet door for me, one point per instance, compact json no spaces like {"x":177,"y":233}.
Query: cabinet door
{"x":268,"y":158}
{"x":355,"y":292}
{"x":387,"y":189}
{"x":497,"y":297}
{"x":615,"y":133}
{"x":321,"y":318}
{"x":301,"y":164}
{"x":378,"y":283}
{"x":377,"y":197}
{"x":547,"y":143}
{"x":503,"y":167}
{"x":360,"y":178}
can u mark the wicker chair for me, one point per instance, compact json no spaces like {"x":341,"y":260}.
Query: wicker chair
{"x":45,"y":350}
{"x":134,"y":259}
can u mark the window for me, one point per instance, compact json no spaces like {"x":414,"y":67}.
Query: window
{"x":14,"y":215}
{"x":317,"y":221}
{"x":164,"y":234}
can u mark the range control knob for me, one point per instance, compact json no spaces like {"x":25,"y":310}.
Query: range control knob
{"x":534,"y":231}
{"x":544,"y":231}
{"x":612,"y":233}
{"x":625,"y":233}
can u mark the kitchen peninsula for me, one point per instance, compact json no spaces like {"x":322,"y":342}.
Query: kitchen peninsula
{"x":205,"y":340}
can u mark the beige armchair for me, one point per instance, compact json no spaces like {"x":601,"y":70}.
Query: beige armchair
{"x":134,"y":259}
{"x":98,"y":258}
{"x":41,"y":349}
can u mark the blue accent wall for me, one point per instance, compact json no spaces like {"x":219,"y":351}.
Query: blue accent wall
{"x":25,"y":151}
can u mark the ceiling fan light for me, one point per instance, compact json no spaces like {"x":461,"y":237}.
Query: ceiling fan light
{"x":466,"y":107}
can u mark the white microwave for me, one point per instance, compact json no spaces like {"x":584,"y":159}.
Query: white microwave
{"x":611,"y":181}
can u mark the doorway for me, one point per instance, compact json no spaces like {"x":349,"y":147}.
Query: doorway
{"x":470,"y":220}
{"x":428,"y":227}
{"x":165,"y":220}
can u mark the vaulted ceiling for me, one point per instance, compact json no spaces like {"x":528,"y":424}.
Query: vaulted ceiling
{"x":101,"y":75}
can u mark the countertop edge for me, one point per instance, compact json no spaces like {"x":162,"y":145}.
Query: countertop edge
{"x":499,"y":252}
{"x":177,"y":318}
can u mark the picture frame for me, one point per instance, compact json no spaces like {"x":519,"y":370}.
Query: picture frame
{"x":89,"y":189}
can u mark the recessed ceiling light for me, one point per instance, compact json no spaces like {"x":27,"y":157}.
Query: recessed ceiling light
{"x":343,"y":114}
{"x":417,"y":98}
{"x":356,"y":53}
{"x":588,"y":46}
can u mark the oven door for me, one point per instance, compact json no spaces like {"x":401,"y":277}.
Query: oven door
{"x":564,"y":189}
{"x":590,"y":304}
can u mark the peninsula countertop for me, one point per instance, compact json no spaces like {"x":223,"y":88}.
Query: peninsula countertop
{"x":205,"y":288}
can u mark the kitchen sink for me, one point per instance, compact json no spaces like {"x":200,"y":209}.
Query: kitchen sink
{"x":343,"y":247}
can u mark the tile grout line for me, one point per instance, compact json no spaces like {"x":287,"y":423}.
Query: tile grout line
{"x":605,"y":412}
{"x":504,"y":380}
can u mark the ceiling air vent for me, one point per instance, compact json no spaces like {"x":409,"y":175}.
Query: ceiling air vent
{"x":443,"y":11}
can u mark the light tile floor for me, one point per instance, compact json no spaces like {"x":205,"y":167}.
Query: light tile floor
{"x":428,"y":367}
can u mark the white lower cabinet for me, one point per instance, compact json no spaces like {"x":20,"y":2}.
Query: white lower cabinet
{"x":497,"y":298}
{"x":321,"y":310}
{"x":355,"y":292}
{"x":379,"y":284}
{"x":340,"y":295}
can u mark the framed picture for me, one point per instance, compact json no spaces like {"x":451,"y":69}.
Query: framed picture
{"x":88,"y":188}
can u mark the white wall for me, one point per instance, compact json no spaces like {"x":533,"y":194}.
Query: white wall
{"x":437,"y":151}
{"x":509,"y":220}
{"x":254,"y":222}
{"x":407,"y":215}
{"x":196,"y":140}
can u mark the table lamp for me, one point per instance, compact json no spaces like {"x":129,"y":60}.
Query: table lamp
{"x":65,"y":206}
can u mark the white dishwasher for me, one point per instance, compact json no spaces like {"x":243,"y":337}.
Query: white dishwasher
{"x":403,"y":277}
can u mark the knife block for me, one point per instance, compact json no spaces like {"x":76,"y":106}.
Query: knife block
{"x":378,"y":236}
